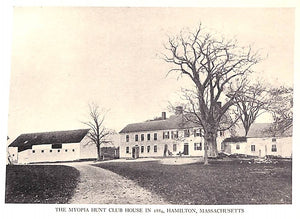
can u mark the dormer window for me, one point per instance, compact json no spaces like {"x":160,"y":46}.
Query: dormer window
{"x":56,"y":146}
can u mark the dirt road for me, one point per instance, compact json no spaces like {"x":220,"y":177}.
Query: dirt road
{"x":100,"y":186}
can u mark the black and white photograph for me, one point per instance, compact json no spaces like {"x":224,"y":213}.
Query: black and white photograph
{"x":151,"y":106}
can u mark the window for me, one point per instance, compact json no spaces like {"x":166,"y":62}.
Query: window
{"x":222,"y":146}
{"x":58,"y":150}
{"x":237,"y":147}
{"x":42,"y":151}
{"x":186,"y":133}
{"x":253,"y":147}
{"x":127,"y":150}
{"x":142,"y":137}
{"x":197,"y":132}
{"x":174,"y":147}
{"x":273,"y":139}
{"x":148,"y":148}
{"x":174,"y":134}
{"x":166,"y":135}
{"x":33,"y":151}
{"x":198,"y":146}
{"x":13,"y":155}
{"x":50,"y":151}
{"x":274,"y":148}
{"x":155,"y":148}
{"x":127,"y":138}
{"x":73,"y":150}
{"x":66,"y":150}
{"x":56,"y":146}
{"x":148,"y":137}
{"x":155,"y":136}
{"x":136,"y":137}
{"x":142,"y":149}
{"x":221,"y":133}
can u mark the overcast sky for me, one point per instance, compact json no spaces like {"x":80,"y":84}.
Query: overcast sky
{"x":64,"y":58}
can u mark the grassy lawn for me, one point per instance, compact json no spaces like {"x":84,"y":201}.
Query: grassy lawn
{"x":218,"y":183}
{"x":40,"y":184}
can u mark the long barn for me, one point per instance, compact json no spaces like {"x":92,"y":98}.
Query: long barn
{"x":52,"y":147}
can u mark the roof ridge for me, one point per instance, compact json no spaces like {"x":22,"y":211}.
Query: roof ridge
{"x":25,"y":141}
{"x":30,"y":133}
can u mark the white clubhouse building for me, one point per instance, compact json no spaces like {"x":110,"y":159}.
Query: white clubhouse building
{"x":164,"y":137}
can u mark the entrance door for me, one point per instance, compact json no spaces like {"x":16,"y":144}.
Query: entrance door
{"x":259,"y":153}
{"x":165,"y":150}
{"x":186,"y":149}
{"x":135,"y":152}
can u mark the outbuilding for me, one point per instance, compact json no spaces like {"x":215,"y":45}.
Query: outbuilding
{"x":260,"y":143}
{"x":52,"y":147}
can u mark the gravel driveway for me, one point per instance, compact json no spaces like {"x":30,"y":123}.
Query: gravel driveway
{"x":100,"y":186}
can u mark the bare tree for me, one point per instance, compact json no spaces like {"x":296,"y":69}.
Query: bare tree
{"x":281,"y":108}
{"x":215,"y":67}
{"x":9,"y":157}
{"x":250,"y":103}
{"x":191,"y":115}
{"x":98,"y":134}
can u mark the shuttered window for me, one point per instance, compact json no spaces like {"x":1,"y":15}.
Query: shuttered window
{"x":274,"y":148}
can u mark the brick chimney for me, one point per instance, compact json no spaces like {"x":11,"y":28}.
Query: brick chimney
{"x":178,"y":110}
{"x":164,"y":115}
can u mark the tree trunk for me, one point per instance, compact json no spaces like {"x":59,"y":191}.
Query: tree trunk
{"x":98,"y":152}
{"x":210,"y":145}
{"x":10,"y":160}
{"x":205,"y":153}
{"x":246,"y":127}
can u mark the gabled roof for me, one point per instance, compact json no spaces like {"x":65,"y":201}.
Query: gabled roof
{"x":173,"y":122}
{"x":257,"y":130}
{"x":25,"y":141}
{"x":235,"y":139}
{"x":260,"y":130}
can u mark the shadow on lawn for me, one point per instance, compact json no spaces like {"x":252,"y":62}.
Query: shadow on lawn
{"x":220,"y":183}
{"x":48,"y":184}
